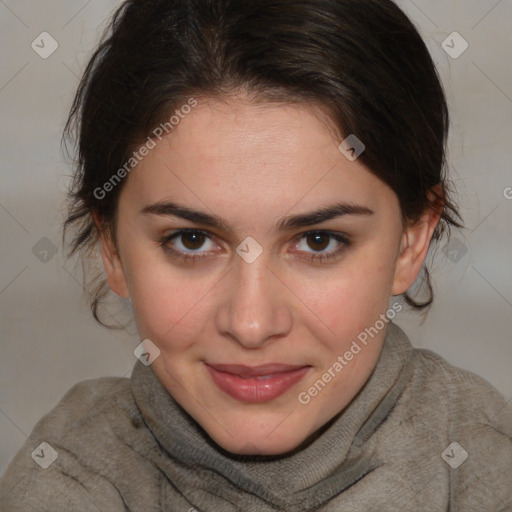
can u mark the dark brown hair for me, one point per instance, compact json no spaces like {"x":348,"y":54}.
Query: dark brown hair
{"x":363,"y":60}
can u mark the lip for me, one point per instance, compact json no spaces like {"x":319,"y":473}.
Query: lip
{"x":257,"y":383}
{"x":255,"y":371}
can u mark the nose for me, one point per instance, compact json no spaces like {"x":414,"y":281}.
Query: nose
{"x":254,"y":309}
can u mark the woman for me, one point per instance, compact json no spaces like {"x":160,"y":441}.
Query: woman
{"x":264,"y":179}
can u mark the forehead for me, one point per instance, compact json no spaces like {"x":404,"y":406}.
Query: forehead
{"x":232,"y":154}
{"x":230,"y":136}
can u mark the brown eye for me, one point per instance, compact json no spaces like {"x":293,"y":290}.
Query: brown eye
{"x":322,"y":246}
{"x":193,"y":240}
{"x":188,"y":243}
{"x":318,"y":241}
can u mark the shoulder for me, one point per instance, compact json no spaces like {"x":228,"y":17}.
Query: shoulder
{"x":83,"y":402}
{"x":472,"y":422}
{"x":52,"y":468}
{"x":445,"y":393}
{"x":463,"y":395}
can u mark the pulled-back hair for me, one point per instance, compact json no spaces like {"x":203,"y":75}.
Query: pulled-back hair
{"x":362,"y":60}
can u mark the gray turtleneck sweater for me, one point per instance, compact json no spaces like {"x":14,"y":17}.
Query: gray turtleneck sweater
{"x":421,"y":435}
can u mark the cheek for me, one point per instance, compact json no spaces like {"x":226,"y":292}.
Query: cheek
{"x":349,"y":298}
{"x":167,"y":304}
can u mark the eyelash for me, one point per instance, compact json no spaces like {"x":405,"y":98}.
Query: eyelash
{"x":191,"y":258}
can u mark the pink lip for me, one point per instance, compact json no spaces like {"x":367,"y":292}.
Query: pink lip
{"x":242,"y":382}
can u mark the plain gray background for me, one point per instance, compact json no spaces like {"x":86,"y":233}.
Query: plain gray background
{"x":49,"y":340}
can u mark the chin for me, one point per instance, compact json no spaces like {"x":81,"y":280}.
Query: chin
{"x":264,"y":444}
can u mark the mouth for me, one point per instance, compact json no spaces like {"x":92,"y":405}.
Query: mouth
{"x":258,"y":383}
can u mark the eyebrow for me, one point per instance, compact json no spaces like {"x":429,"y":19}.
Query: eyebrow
{"x":294,"y":221}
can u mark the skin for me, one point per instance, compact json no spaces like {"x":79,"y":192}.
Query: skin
{"x":252,"y":164}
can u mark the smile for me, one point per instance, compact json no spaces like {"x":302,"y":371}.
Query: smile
{"x":256,"y":384}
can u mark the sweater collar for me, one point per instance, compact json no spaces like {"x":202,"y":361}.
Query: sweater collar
{"x":308,"y":477}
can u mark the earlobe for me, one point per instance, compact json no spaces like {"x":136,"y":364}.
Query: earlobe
{"x":415,"y":243}
{"x":111,"y":261}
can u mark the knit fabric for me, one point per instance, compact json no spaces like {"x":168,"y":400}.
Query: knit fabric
{"x":421,"y":435}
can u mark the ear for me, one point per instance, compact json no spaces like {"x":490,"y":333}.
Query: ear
{"x":416,"y":241}
{"x":111,"y":260}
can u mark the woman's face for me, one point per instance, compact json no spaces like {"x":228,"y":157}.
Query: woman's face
{"x":248,"y":285}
